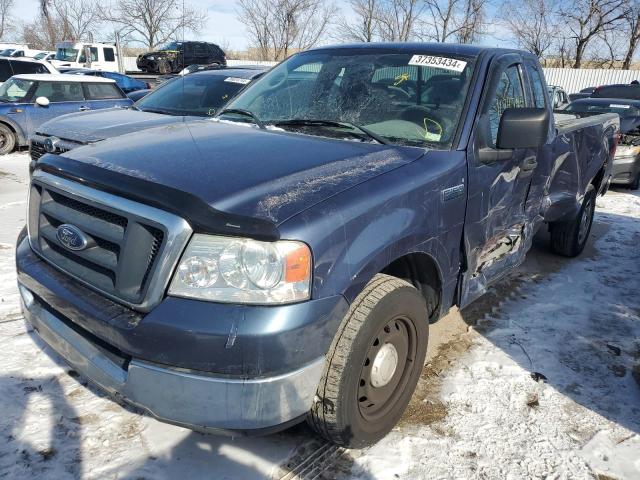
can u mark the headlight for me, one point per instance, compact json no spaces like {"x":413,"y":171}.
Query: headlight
{"x":151,"y":58}
{"x":241,"y":270}
{"x":627,"y":151}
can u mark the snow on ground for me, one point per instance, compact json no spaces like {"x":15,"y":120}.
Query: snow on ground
{"x":478,"y":412}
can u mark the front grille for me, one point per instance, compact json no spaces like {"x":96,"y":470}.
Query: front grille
{"x":36,"y":150}
{"x":124,"y":248}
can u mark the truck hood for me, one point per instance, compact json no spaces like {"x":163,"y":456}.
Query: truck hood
{"x":88,"y":127}
{"x":244,"y":171}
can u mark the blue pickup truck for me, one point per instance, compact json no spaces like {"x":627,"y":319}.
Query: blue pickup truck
{"x":285,"y":261}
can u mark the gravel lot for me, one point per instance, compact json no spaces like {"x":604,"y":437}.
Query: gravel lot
{"x":478,"y":412}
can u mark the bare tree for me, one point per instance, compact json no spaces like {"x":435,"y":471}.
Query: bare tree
{"x":453,"y":20}
{"x":276,"y":28}
{"x":586,"y":19}
{"x":398,"y":19}
{"x":81,"y":16}
{"x":44,"y":32}
{"x":154,"y":22}
{"x":365,"y":28}
{"x":632,"y":21}
{"x":6,"y":23}
{"x":531,"y":23}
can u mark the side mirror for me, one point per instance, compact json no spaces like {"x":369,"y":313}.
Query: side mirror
{"x":42,"y":101}
{"x":523,"y":128}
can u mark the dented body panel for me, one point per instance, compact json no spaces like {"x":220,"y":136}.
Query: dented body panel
{"x":359,"y":206}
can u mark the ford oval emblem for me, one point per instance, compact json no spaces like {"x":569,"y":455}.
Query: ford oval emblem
{"x":71,"y":237}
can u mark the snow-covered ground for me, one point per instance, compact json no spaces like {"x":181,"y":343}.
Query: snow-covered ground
{"x":478,"y":412}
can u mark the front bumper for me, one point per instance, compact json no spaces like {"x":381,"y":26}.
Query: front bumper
{"x":625,"y":170}
{"x":196,"y":401}
{"x":209,"y":367}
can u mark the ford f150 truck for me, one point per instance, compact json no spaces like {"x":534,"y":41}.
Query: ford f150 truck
{"x":284,"y":261}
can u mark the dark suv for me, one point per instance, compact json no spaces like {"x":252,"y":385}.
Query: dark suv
{"x":177,"y":55}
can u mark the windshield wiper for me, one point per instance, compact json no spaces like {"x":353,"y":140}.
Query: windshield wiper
{"x":332,"y":123}
{"x":246,"y":113}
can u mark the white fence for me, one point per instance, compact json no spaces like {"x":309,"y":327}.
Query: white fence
{"x":574,"y":80}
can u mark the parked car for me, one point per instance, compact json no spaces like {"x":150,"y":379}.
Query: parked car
{"x":177,"y":55}
{"x":45,"y":56}
{"x":284,"y":260}
{"x":97,"y":56}
{"x":198,"y":95}
{"x":138,"y":94}
{"x":27,"y":101}
{"x":559,"y":98}
{"x":584,"y":93}
{"x":626,"y":163}
{"x":24,"y":52}
{"x":126,"y":83}
{"x":190,"y":69}
{"x":19,"y":66}
{"x":629,"y":91}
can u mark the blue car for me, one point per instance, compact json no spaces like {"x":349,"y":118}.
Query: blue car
{"x":126,"y":83}
{"x":27,"y":101}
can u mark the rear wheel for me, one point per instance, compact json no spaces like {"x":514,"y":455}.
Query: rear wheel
{"x":373,"y":365}
{"x":569,"y":238}
{"x":7,"y":140}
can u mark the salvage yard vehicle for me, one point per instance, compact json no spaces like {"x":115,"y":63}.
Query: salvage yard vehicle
{"x":624,"y":90}
{"x":196,"y":96}
{"x":18,"y":66}
{"x":27,"y":101}
{"x":284,"y":261}
{"x":626,"y":162}
{"x":126,"y":83}
{"x":175,"y":56}
{"x":98,"y":56}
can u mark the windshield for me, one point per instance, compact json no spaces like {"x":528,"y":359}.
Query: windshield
{"x":15,"y":89}
{"x":624,"y":110}
{"x":172,"y":46}
{"x":200,"y":95}
{"x":403,"y":98}
{"x":40,"y":56}
{"x":6,"y":52}
{"x":67,"y":54}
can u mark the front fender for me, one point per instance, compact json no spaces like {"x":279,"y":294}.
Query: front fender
{"x":20,"y":134}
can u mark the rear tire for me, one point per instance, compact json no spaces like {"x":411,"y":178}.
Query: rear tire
{"x":569,"y":238}
{"x":373,"y":365}
{"x":7,"y":140}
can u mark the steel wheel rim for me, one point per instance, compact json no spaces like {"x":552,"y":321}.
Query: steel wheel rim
{"x":585,"y":221}
{"x":374,"y":402}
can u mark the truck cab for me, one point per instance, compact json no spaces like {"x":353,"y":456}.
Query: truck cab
{"x":98,"y":56}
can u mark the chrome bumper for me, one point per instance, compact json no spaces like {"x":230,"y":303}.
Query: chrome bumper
{"x":196,"y":401}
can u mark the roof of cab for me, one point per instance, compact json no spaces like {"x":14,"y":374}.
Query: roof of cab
{"x":418,"y":47}
{"x":61,"y":77}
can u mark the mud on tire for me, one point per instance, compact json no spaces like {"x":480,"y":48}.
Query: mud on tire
{"x":361,"y":397}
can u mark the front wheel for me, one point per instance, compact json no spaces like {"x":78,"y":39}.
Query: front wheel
{"x":373,"y":364}
{"x":569,"y":238}
{"x":7,"y":140}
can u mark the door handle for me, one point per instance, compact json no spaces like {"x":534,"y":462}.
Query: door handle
{"x":530,"y":163}
{"x":84,"y":109}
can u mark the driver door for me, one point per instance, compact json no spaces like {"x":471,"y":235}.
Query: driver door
{"x":497,"y":227}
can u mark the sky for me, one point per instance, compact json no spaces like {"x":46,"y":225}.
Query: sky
{"x":223,"y":26}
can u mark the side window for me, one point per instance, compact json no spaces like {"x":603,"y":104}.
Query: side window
{"x":94,"y":54}
{"x":5,"y":70}
{"x":60,"y":91}
{"x":537,"y":87}
{"x":109,"y":55}
{"x":508,"y":94}
{"x":102,"y":91}
{"x":28,"y":67}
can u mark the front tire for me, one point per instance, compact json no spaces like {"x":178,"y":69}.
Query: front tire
{"x":7,"y":140}
{"x":373,"y":365}
{"x":569,"y":238}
